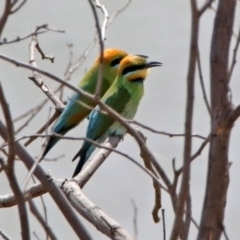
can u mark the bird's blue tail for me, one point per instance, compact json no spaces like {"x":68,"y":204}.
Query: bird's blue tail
{"x":84,"y":154}
{"x":50,"y":143}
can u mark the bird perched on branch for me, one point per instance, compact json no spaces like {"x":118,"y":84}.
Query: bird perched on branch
{"x":78,"y":107}
{"x":124,"y":97}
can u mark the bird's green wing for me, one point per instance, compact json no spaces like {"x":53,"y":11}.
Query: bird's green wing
{"x":100,"y":122}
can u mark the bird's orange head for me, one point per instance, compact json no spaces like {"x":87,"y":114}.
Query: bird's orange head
{"x":111,"y":60}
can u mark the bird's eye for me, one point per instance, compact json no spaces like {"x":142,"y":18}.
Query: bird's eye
{"x":132,"y":68}
{"x":116,"y":61}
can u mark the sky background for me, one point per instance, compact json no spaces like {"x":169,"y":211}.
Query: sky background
{"x":159,"y":29}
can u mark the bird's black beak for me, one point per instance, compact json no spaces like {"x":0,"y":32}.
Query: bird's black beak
{"x":153,"y":64}
{"x":143,"y":56}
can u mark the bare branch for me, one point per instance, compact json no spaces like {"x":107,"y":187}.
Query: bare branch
{"x":43,"y":55}
{"x":202,"y":83}
{"x":234,"y":57}
{"x":194,"y":156}
{"x":234,"y":115}
{"x":18,"y":7}
{"x":37,"y":78}
{"x":188,"y":216}
{"x":88,"y":210}
{"x":44,"y":208}
{"x":4,"y":17}
{"x":93,"y":213}
{"x":206,"y":5}
{"x":43,"y":128}
{"x":35,"y":235}
{"x":225,"y":233}
{"x":37,"y":32}
{"x":25,"y":124}
{"x":158,"y":204}
{"x":90,"y":47}
{"x":33,"y":110}
{"x":31,"y":192}
{"x":100,"y":157}
{"x":105,"y":21}
{"x":216,"y":188}
{"x":80,"y":61}
{"x":54,"y":191}
{"x":83,"y":177}
{"x":43,"y":223}
{"x":19,"y":39}
{"x":164,"y":133}
{"x":119,"y":11}
{"x":135,"y":216}
{"x":10,"y":169}
{"x":4,"y":235}
{"x":202,"y":146}
{"x":93,"y":164}
{"x":178,"y":228}
{"x":164,"y":227}
{"x":101,"y":44}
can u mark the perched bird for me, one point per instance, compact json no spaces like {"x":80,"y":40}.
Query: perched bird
{"x":124,"y":97}
{"x":78,"y":107}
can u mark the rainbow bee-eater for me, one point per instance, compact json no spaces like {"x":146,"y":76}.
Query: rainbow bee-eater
{"x":124,"y":97}
{"x":79,"y":107}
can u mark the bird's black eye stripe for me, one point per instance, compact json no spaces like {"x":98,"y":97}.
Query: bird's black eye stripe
{"x":116,"y":61}
{"x":132,"y":68}
{"x":139,"y":79}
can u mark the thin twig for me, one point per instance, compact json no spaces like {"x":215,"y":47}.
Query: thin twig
{"x":37,"y":78}
{"x":33,"y":110}
{"x":40,"y":219}
{"x":163,"y":132}
{"x":206,"y":5}
{"x":38,"y":159}
{"x":202,"y":83}
{"x":119,"y":11}
{"x":35,"y":235}
{"x":18,"y":7}
{"x":188,"y":216}
{"x":164,"y":226}
{"x":202,"y":146}
{"x":90,"y":47}
{"x":225,"y":233}
{"x":80,"y":61}
{"x":234,"y":57}
{"x":44,"y":207}
{"x":42,"y":129}
{"x":4,"y":235}
{"x":19,"y":39}
{"x":158,"y":204}
{"x":70,"y":47}
{"x":37,"y":32}
{"x":135,"y":218}
{"x":99,"y":146}
{"x":101,"y":38}
{"x":25,"y":124}
{"x":105,"y":21}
